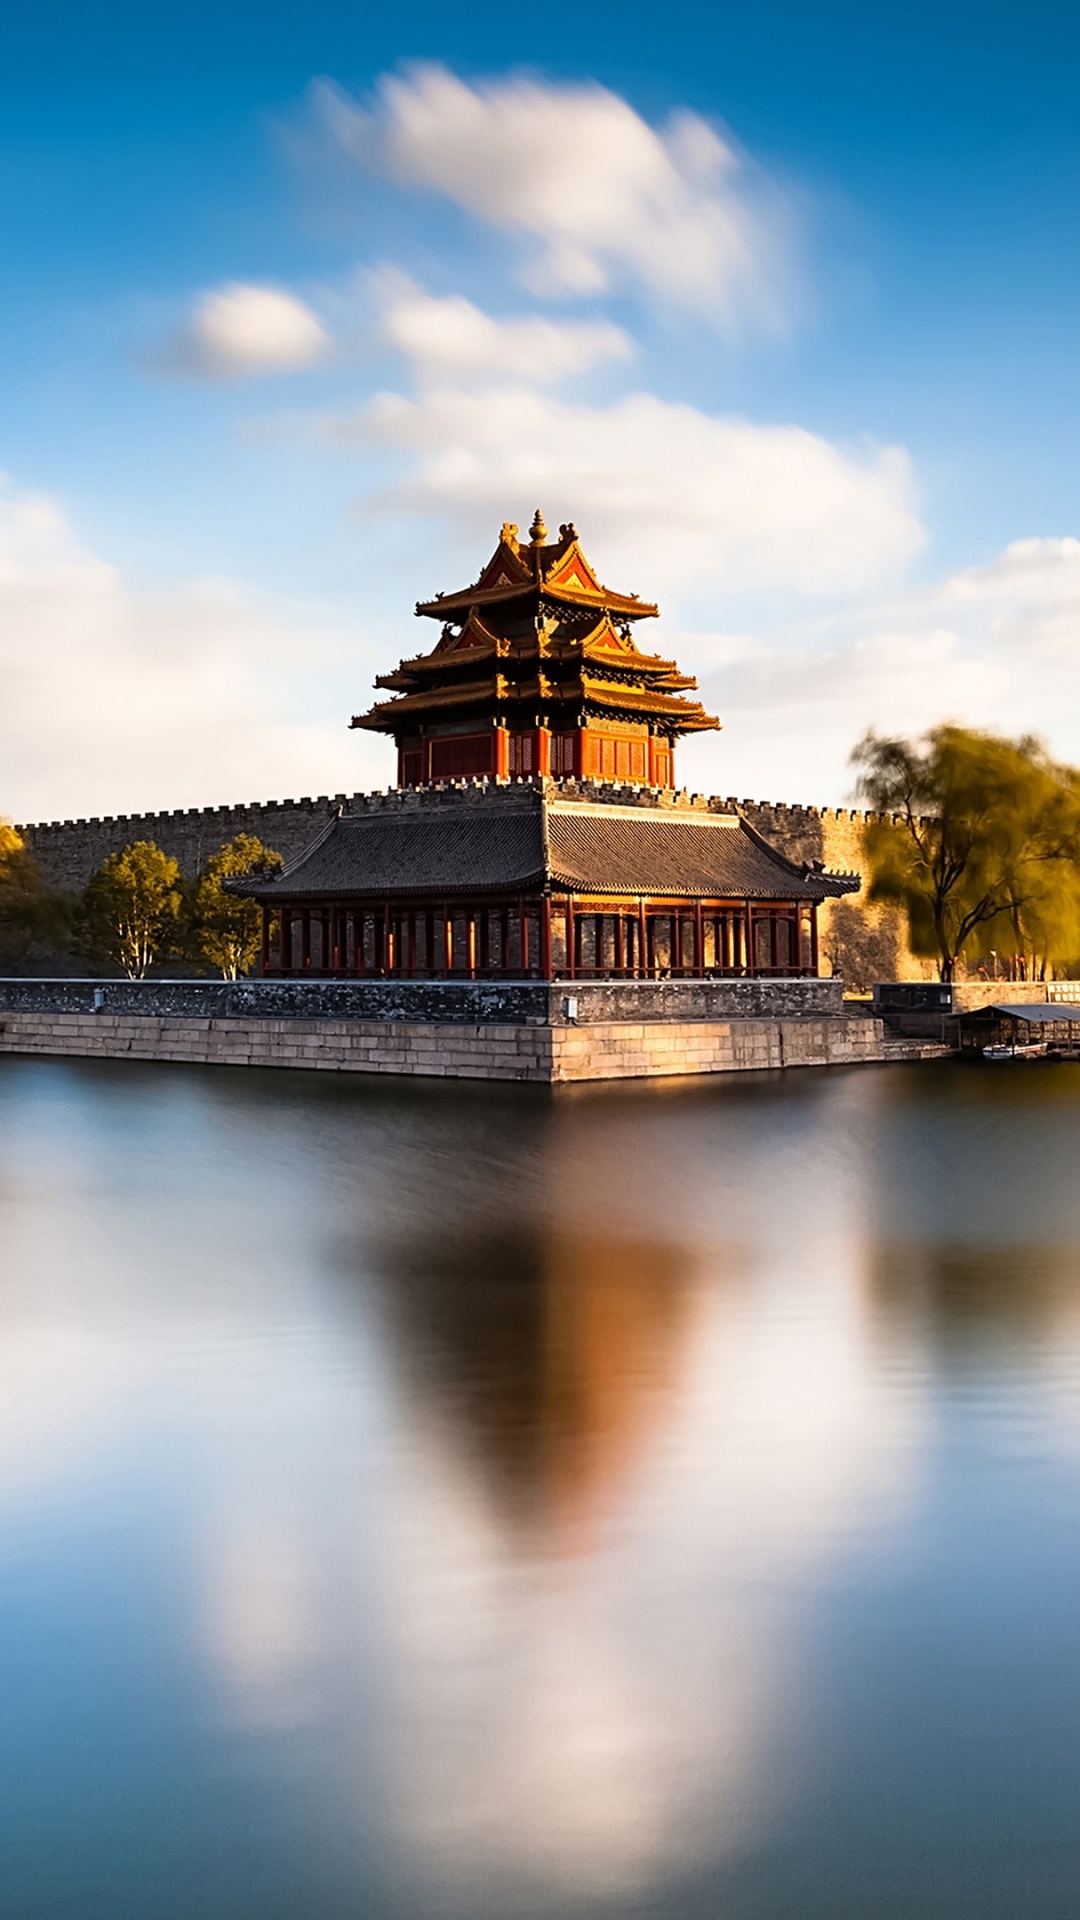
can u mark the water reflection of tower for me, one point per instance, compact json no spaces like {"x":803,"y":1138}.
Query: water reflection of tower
{"x":553,"y":1355}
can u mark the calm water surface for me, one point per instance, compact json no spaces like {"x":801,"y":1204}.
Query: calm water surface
{"x":476,"y":1506}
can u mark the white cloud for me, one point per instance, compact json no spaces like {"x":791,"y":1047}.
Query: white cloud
{"x":574,"y":168}
{"x":240,"y":331}
{"x":112,"y":700}
{"x":996,"y":645}
{"x":451,"y":338}
{"x":669,"y":498}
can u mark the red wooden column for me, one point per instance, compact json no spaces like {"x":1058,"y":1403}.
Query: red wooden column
{"x":643,"y":940}
{"x":545,"y":938}
{"x":502,"y":754}
{"x":814,"y":938}
{"x":305,"y":940}
{"x":448,"y":938}
{"x":543,"y":750}
{"x":620,"y":944}
{"x":266,"y":940}
{"x":749,"y":912}
{"x":699,"y":940}
{"x":523,"y":936}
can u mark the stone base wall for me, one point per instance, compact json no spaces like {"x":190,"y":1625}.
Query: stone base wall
{"x":540,"y":1052}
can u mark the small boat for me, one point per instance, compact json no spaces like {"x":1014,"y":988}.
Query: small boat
{"x":1034,"y":1051}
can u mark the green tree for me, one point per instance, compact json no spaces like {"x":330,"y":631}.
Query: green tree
{"x":22,"y":894}
{"x":978,"y":840}
{"x":131,"y":909}
{"x":227,"y":926}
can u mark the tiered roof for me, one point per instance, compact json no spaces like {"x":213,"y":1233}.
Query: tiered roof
{"x":537,"y":630}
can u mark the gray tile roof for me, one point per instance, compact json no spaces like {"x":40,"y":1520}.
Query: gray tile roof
{"x":599,"y":849}
{"x":604,"y":850}
{"x":467,"y":852}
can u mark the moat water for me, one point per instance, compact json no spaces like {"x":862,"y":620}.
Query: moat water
{"x":472,"y":1505}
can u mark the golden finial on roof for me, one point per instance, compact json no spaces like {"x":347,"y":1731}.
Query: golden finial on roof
{"x":509,"y":534}
{"x":538,"y":531}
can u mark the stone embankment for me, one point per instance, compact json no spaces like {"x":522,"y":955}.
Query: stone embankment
{"x":521,"y":1030}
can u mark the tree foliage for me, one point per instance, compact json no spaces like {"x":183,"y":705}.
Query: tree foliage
{"x":22,"y":894}
{"x":980,"y":846}
{"x":227,"y":926}
{"x":20,"y":883}
{"x":131,"y":910}
{"x":31,"y":914}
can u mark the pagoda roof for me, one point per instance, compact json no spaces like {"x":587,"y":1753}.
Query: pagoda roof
{"x":538,"y":625}
{"x":476,"y":641}
{"x":510,"y":839}
{"x":518,"y":571}
{"x":499,"y":690}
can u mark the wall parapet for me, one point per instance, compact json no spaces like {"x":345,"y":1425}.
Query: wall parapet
{"x":439,"y":1002}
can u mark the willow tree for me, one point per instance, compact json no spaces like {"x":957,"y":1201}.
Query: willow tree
{"x":977,"y":839}
{"x":131,"y":909}
{"x":226,"y":926}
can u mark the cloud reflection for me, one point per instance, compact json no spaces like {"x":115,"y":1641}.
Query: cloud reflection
{"x":618,"y":1403}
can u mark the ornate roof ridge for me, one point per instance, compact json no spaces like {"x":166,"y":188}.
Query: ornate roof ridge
{"x":558,"y":568}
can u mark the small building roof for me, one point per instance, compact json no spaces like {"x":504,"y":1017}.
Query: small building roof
{"x":504,"y":840}
{"x":1033,"y":1013}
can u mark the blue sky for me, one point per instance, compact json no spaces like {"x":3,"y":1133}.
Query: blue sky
{"x":778,"y":303}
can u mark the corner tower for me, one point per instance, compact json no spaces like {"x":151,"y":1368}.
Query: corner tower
{"x":536,"y":671}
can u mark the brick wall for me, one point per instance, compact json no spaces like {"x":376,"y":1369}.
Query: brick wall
{"x":864,"y":943}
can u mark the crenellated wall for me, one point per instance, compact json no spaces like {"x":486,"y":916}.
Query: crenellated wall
{"x":69,"y":851}
{"x":864,"y":943}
